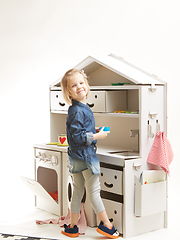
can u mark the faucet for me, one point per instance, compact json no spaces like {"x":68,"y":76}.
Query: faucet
{"x":133,"y":133}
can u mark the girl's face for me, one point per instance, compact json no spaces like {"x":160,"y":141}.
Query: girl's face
{"x":77,"y":88}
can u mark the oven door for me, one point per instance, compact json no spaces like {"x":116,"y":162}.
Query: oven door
{"x":48,"y":203}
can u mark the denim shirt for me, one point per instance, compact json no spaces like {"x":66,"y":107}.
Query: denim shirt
{"x":80,"y":127}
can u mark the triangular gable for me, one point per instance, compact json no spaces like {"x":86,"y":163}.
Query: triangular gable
{"x":117,"y":65}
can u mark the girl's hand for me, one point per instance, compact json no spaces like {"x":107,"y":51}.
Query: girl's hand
{"x":101,"y":134}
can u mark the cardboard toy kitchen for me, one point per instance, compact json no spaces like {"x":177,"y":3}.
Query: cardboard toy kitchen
{"x":133,"y":104}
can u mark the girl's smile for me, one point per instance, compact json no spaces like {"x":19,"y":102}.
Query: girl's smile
{"x":77,"y":88}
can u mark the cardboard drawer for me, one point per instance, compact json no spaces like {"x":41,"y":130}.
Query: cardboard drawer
{"x":107,"y":101}
{"x":111,"y":180}
{"x":115,"y":213}
{"x":149,"y":198}
{"x":57,"y":101}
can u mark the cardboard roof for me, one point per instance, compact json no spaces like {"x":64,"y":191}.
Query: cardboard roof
{"x":118,"y":66}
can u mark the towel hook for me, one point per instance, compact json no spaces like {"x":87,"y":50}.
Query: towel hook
{"x":150,"y":134}
{"x":157,"y":126}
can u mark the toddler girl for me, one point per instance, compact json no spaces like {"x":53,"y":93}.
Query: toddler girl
{"x":83,"y":161}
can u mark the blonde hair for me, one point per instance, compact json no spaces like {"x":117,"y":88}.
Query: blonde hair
{"x":64,"y":83}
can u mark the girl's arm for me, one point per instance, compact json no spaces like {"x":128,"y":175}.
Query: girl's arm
{"x":76,"y":127}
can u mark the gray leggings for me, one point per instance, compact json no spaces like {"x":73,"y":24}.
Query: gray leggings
{"x":92,"y":184}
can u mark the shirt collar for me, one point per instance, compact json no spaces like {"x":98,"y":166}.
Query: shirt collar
{"x":75,"y":102}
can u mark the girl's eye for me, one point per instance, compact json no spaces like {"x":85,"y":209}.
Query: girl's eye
{"x":82,"y":83}
{"x":73,"y":85}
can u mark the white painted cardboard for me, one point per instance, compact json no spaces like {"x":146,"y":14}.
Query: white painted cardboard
{"x":149,"y":198}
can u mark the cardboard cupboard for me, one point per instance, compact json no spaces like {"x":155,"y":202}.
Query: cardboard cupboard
{"x":133,"y":104}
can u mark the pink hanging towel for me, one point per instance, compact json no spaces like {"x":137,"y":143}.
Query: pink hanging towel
{"x":161,"y":152}
{"x":82,"y":223}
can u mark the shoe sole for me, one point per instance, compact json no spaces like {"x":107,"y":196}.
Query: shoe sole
{"x":72,"y":235}
{"x":106,"y":234}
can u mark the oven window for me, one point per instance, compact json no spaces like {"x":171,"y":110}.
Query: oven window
{"x":48,"y":179}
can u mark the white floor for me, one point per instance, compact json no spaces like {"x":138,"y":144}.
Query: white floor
{"x":24,"y":224}
{"x":18,"y":215}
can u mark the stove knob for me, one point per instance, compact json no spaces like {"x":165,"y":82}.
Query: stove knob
{"x":54,"y":160}
{"x":48,"y":158}
{"x":38,"y":155}
{"x":43,"y":155}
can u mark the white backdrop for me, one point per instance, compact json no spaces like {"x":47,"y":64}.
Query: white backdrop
{"x":41,"y":39}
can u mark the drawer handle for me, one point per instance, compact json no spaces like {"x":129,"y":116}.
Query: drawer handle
{"x":90,"y":105}
{"x":108,"y":185}
{"x":61,"y":104}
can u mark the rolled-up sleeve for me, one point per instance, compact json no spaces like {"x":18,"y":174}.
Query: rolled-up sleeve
{"x":89,"y":138}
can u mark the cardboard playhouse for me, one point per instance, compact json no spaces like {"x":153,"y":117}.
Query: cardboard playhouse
{"x":132,"y":103}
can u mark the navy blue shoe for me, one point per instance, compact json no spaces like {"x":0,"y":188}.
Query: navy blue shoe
{"x":103,"y":230}
{"x":70,"y":232}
